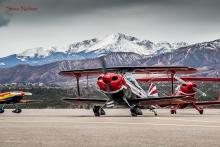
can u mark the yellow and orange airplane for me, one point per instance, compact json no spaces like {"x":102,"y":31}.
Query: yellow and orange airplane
{"x":13,"y":98}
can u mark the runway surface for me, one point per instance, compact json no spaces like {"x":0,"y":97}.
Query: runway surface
{"x":69,"y":128}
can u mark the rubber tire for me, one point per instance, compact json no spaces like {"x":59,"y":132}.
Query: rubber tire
{"x":17,"y":111}
{"x":172,"y":112}
{"x":96,"y":110}
{"x":135,"y":110}
{"x":201,"y":112}
{"x":2,"y":110}
{"x":138,"y":111}
{"x":133,"y":114}
{"x":102,"y":112}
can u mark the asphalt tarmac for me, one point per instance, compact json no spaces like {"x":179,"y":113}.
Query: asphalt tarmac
{"x":79,"y":128}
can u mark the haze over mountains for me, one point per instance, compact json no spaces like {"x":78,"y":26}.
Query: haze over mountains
{"x":42,"y":65}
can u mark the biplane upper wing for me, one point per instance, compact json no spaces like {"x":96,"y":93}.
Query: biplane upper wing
{"x":133,"y":69}
{"x":168,"y":79}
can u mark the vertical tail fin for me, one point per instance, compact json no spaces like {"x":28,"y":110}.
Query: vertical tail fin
{"x":152,"y":91}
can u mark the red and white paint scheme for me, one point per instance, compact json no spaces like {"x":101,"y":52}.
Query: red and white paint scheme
{"x":186,"y":88}
{"x":152,"y":91}
{"x":121,"y":88}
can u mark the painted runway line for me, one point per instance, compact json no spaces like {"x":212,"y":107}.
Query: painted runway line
{"x":119,"y":123}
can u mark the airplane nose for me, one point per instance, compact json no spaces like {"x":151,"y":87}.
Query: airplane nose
{"x":190,"y":88}
{"x":107,"y":78}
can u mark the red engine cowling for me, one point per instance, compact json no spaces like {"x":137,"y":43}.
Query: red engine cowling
{"x":187,"y":88}
{"x":115,"y":82}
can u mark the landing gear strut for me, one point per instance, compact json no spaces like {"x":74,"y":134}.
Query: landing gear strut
{"x":98,"y":111}
{"x":200,"y":110}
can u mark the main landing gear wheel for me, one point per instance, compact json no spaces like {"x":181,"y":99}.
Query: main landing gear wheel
{"x":97,"y":110}
{"x":201,"y":111}
{"x":173,"y":111}
{"x":135,"y":110}
{"x":2,"y":110}
{"x":17,"y":111}
{"x":102,"y":111}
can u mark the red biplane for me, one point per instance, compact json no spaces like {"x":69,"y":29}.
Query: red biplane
{"x":121,"y":88}
{"x":188,"y":87}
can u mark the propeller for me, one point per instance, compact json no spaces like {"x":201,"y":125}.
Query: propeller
{"x":28,"y":93}
{"x":19,"y":92}
{"x":194,"y":88}
{"x":103,"y":62}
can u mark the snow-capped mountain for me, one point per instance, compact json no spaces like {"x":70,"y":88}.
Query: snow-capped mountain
{"x":122,"y":43}
{"x":88,"y":49}
{"x":204,"y":56}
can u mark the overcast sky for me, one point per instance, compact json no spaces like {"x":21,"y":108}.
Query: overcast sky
{"x":61,"y":22}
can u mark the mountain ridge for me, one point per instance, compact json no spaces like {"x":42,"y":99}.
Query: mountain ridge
{"x":88,"y":49}
{"x":204,"y":56}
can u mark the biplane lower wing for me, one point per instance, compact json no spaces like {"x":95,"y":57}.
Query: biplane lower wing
{"x":207,"y":103}
{"x":28,"y":101}
{"x":85,"y":100}
{"x":163,"y":101}
{"x":143,"y":101}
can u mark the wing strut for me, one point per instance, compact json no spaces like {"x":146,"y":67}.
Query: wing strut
{"x":172,"y":78}
{"x":78,"y":90}
{"x":77,"y":75}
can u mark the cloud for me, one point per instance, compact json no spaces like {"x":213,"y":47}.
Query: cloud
{"x":5,"y":16}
